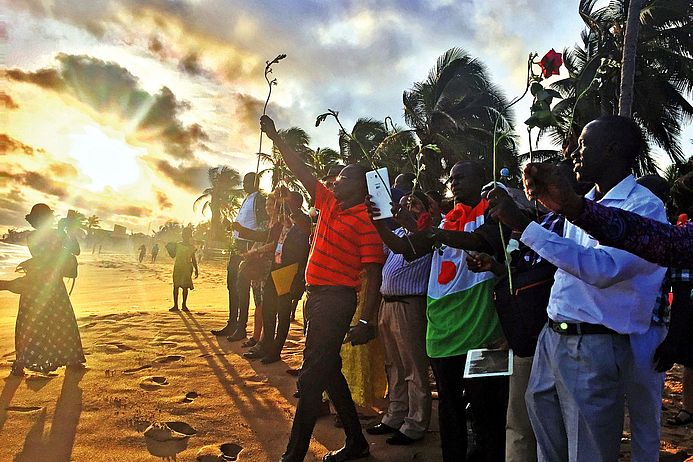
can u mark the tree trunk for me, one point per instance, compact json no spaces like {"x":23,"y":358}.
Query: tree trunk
{"x":630,"y":48}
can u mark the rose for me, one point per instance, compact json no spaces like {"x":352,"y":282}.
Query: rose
{"x":424,"y":221}
{"x":550,"y":63}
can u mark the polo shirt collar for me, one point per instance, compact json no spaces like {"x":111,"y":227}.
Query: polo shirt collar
{"x":619,"y":192}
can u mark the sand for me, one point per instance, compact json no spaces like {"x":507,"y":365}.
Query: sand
{"x":146,"y":365}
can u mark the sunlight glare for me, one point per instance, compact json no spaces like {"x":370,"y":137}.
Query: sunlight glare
{"x":106,"y":160}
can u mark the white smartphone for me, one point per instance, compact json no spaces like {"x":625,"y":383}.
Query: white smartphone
{"x":379,"y":188}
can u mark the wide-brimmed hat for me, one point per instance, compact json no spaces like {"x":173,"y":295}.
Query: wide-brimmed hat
{"x":39,"y":212}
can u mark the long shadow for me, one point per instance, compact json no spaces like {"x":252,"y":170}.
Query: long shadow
{"x":8,"y":391}
{"x":223,"y":368}
{"x":57,"y":446}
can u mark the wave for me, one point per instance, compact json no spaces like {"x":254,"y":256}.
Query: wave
{"x":12,"y":254}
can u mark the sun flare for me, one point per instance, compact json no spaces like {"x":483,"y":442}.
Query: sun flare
{"x":106,"y":160}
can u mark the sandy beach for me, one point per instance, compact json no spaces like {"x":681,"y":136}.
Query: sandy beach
{"x":148,"y":365}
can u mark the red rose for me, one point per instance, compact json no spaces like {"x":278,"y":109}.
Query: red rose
{"x":424,"y":222}
{"x":550,"y":63}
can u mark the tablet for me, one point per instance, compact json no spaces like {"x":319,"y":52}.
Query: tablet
{"x":379,"y":188}
{"x":488,"y":363}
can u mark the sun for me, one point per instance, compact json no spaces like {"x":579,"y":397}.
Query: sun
{"x":106,"y":160}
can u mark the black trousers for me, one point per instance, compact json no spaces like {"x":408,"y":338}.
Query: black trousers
{"x":238,"y":286}
{"x":328,"y":312}
{"x":276,"y":314}
{"x":488,"y":398}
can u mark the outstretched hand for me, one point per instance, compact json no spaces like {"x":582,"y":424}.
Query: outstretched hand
{"x":503,"y":209}
{"x":545,"y":183}
{"x":373,"y":211}
{"x":267,"y":126}
{"x":482,"y":262}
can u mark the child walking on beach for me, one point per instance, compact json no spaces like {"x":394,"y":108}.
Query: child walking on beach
{"x":183,"y":268}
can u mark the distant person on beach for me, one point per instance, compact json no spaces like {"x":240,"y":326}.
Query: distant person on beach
{"x":251,"y":215}
{"x":46,"y":335}
{"x":600,"y":296}
{"x":143,"y":252}
{"x":155,"y":251}
{"x":345,"y":243}
{"x":183,"y":268}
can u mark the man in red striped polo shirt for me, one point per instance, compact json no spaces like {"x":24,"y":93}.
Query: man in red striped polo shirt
{"x":345,"y":243}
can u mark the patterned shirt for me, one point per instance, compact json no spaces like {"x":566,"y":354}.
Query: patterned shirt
{"x":657,"y":242}
{"x":401,"y":277}
{"x":344,"y":241}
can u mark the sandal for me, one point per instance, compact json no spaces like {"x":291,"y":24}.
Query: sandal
{"x":683,"y":417}
{"x":251,"y":342}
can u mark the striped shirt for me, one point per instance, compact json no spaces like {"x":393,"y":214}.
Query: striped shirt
{"x":343,"y":242}
{"x":401,"y":277}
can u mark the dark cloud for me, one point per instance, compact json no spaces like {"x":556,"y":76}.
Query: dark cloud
{"x":9,"y":145}
{"x":109,"y":88}
{"x":132,"y":211}
{"x":38,"y":182}
{"x":163,"y":200}
{"x":13,"y":207}
{"x":192,"y":177}
{"x":191,"y":63}
{"x":7,"y":101}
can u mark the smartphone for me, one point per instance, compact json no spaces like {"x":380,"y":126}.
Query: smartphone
{"x":378,"y":183}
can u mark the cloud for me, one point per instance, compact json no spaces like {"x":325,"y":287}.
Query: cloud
{"x":7,"y":101}
{"x":163,"y":200}
{"x":10,"y":145}
{"x":106,"y":87}
{"x":63,"y":170}
{"x":192,"y":177}
{"x":13,"y":207}
{"x":38,"y":182}
{"x":132,"y":211}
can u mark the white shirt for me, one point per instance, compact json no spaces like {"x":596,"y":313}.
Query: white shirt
{"x":246,"y":214}
{"x":599,"y":284}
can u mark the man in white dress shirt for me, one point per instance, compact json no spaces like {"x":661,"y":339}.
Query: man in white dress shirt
{"x":600,"y":296}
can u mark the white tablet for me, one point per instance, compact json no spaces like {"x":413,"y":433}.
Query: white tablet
{"x":379,"y":188}
{"x":488,"y":363}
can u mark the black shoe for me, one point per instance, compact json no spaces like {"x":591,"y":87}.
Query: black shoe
{"x":269,"y":359}
{"x":236,"y":336}
{"x":380,"y":429}
{"x":251,"y":342}
{"x":228,"y":329}
{"x":254,"y":354}
{"x":400,"y":439}
{"x":350,"y":451}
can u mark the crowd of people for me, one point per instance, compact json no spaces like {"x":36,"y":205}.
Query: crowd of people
{"x":588,"y":284}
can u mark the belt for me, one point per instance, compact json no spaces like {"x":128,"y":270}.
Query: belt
{"x":399,"y":298}
{"x":579,"y":328}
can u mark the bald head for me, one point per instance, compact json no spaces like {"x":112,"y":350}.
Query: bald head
{"x":350,"y":186}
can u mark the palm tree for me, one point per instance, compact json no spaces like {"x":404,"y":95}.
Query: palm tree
{"x":321,"y":159}
{"x":456,"y":109}
{"x":93,"y":222}
{"x":663,"y":72}
{"x":222,"y":198}
{"x":367,"y":134}
{"x":298,"y":140}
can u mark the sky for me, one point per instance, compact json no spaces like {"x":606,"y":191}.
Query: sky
{"x":119,"y":108}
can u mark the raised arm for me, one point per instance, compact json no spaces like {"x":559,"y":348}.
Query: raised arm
{"x":297,"y":166}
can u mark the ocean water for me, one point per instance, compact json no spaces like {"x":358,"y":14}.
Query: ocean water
{"x":11,"y":255}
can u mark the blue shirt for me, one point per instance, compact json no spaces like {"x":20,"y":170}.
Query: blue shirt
{"x":401,"y":277}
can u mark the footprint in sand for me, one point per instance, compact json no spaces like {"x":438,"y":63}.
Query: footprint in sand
{"x":23,"y":408}
{"x":169,"y":359}
{"x":190,"y":397}
{"x":136,"y":369}
{"x":164,"y":343}
{"x":153,"y":382}
{"x":112,"y":347}
{"x":227,"y":452}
